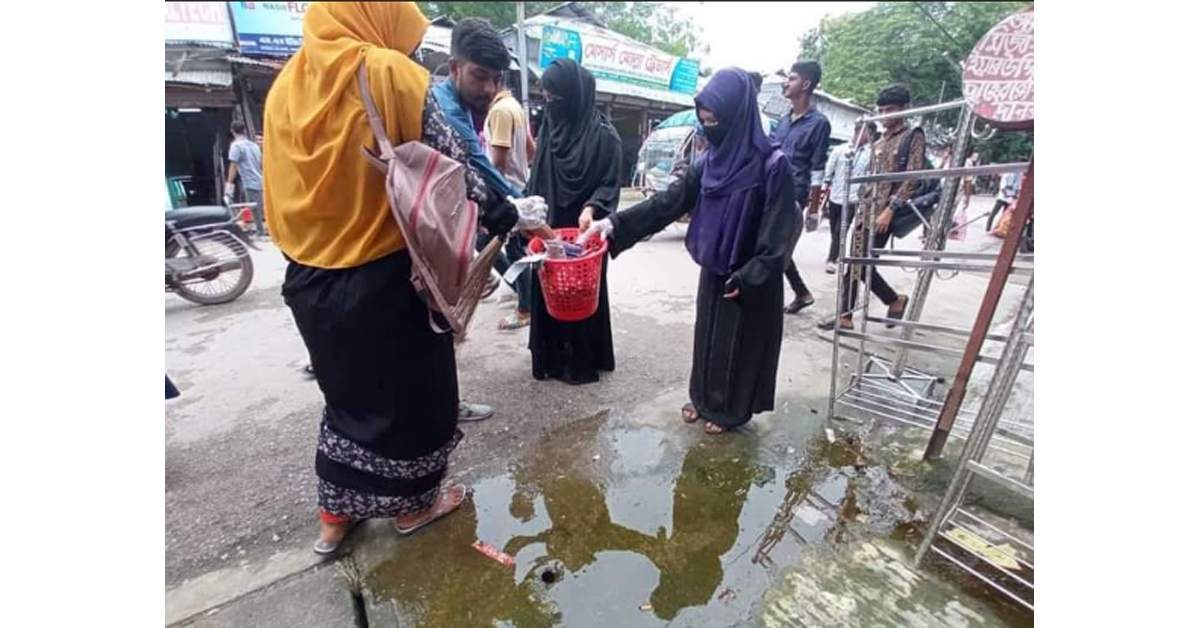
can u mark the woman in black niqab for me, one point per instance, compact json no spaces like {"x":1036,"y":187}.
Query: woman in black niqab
{"x":576,"y":170}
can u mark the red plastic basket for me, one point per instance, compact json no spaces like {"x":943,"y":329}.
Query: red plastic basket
{"x":572,"y":286}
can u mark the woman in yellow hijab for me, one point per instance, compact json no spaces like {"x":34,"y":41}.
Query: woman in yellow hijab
{"x":390,"y":382}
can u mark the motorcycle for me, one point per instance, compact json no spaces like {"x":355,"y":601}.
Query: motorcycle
{"x":207,"y":255}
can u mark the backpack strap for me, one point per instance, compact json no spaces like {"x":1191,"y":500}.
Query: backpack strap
{"x":906,"y":149}
{"x":903,"y":155}
{"x":380,"y":161}
{"x":364,"y":91}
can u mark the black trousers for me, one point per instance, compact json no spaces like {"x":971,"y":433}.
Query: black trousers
{"x":835,"y":229}
{"x":791,"y":272}
{"x":879,"y":286}
{"x":515,"y":249}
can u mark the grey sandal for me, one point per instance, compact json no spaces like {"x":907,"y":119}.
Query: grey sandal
{"x":325,"y":549}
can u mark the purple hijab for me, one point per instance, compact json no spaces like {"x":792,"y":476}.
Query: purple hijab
{"x":724,"y":225}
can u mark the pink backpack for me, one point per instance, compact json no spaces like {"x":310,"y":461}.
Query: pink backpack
{"x":427,"y":192}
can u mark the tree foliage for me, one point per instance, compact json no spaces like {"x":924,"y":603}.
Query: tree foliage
{"x":656,"y":24}
{"x":500,"y":14}
{"x":920,"y":44}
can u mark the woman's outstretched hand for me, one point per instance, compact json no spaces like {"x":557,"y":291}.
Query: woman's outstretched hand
{"x":586,"y":217}
{"x":603,"y":228}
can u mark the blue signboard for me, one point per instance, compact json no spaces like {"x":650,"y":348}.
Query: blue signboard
{"x":684,"y":78}
{"x":559,"y":43}
{"x":269,"y":28}
{"x":612,"y":57}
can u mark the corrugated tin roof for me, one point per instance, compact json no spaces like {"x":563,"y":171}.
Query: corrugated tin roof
{"x":188,"y":43}
{"x":205,"y":78}
{"x":575,"y":10}
{"x":262,"y":63}
{"x":773,"y":103}
{"x":437,"y":39}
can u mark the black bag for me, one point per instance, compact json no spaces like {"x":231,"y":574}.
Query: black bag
{"x":925,"y":198}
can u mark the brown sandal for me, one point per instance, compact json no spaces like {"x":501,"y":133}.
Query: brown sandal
{"x":689,"y":413}
{"x":444,"y":505}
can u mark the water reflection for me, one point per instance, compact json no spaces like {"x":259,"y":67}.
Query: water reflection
{"x":437,"y":579}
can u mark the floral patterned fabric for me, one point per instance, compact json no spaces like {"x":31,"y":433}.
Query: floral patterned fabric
{"x":438,"y":134}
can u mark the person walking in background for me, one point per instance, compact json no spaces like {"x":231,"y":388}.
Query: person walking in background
{"x":1010,"y":189}
{"x":245,"y":160}
{"x":901,"y":149}
{"x":804,"y":136}
{"x":577,"y":171}
{"x":851,"y":160}
{"x":511,"y":146}
{"x":968,"y":183}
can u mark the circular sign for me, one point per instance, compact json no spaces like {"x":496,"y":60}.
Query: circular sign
{"x":998,"y":76}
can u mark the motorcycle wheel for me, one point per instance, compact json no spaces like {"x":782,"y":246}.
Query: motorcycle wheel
{"x":226,"y":285}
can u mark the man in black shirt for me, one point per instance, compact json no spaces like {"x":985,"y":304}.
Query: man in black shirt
{"x":804,"y":136}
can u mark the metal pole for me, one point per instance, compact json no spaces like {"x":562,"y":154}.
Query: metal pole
{"x":985,"y":424}
{"x":991,"y":300}
{"x":1000,"y":388}
{"x":943,"y":220}
{"x":523,"y":58}
{"x":837,"y":306}
{"x":912,"y":113}
{"x":865,"y":289}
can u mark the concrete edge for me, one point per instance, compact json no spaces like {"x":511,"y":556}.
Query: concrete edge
{"x":220,"y":587}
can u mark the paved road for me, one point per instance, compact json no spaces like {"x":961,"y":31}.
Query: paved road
{"x":240,"y":441}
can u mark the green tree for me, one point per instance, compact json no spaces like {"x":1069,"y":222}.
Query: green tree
{"x":656,"y":24}
{"x":920,"y":44}
{"x":500,"y":14}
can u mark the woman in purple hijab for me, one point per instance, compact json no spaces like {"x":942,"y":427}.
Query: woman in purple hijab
{"x":742,"y":210}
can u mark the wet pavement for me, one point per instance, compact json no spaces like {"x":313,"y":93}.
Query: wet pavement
{"x":614,"y":511}
{"x":634,"y":519}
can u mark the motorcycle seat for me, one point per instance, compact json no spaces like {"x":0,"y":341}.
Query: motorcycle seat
{"x":187,"y":217}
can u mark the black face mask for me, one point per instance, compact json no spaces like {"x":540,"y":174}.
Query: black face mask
{"x":715,"y":134}
{"x":559,"y":109}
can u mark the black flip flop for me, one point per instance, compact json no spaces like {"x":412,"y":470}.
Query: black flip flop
{"x":896,"y":316}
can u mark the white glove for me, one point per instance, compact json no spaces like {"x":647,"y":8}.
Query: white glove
{"x":230,"y":188}
{"x":603,"y":228}
{"x":531,"y":212}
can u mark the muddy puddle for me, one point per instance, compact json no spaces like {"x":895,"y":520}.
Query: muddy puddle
{"x":611,"y":524}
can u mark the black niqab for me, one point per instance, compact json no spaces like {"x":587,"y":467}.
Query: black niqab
{"x":578,"y":150}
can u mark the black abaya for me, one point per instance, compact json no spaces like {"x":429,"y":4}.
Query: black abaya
{"x":577,"y":166}
{"x":735,"y":353}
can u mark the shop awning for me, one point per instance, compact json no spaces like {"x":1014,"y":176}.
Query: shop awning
{"x":201,"y":78}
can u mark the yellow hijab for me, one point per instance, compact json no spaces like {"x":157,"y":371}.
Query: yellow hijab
{"x":325,"y":205}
